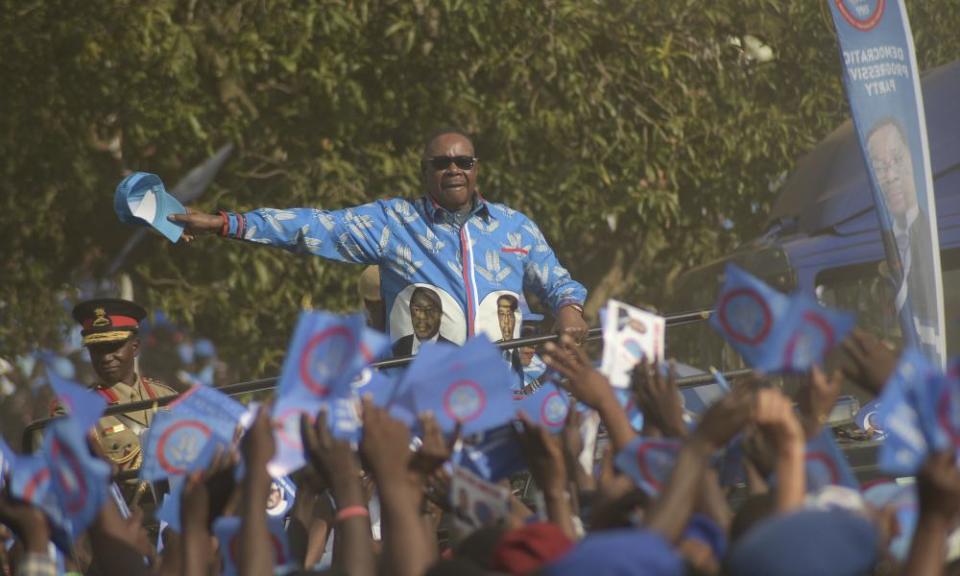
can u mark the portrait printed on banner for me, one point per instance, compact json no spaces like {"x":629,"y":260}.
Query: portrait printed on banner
{"x":425,"y":313}
{"x":892,"y":162}
{"x":499,"y":316}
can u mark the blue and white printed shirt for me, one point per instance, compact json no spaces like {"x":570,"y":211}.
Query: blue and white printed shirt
{"x":474,"y":269}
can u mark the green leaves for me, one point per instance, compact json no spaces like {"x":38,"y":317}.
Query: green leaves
{"x":647,"y":111}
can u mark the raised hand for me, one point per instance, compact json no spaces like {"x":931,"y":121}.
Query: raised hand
{"x":724,"y":419}
{"x":385,"y":446}
{"x":583,"y":380}
{"x":870,"y":362}
{"x":658,"y":398}
{"x":257,"y":445}
{"x":938,"y":486}
{"x":330,"y":457}
{"x":197,"y":223}
{"x":435,"y":449}
{"x":774,"y":412}
{"x":816,"y":399}
{"x":544,"y":456}
{"x":26,"y":521}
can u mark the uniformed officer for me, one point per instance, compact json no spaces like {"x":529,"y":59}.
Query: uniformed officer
{"x":110,"y":328}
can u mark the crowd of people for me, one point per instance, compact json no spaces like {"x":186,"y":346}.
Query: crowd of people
{"x":624,"y":481}
{"x":584,"y":519}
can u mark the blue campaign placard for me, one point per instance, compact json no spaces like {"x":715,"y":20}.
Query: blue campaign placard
{"x":78,"y":480}
{"x":218,"y":411}
{"x":825,"y":464}
{"x":325,"y":354}
{"x":546,"y":407}
{"x":904,"y":411}
{"x":471,"y":385}
{"x":649,"y":462}
{"x":809,"y":332}
{"x":496,"y":455}
{"x":84,"y":406}
{"x":746,"y":312}
{"x":173,"y":442}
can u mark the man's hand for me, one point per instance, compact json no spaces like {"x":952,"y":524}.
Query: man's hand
{"x":817,"y":398}
{"x":544,"y":456}
{"x":938,"y":487}
{"x":385,"y":446}
{"x":774,"y":412}
{"x":870,"y":363}
{"x":257,"y":444}
{"x":332,"y":458}
{"x":435,"y":449}
{"x":658,"y":398}
{"x":570,"y":321}
{"x":26,"y":520}
{"x":197,"y":223}
{"x":584,"y":382}
{"x":723,"y":419}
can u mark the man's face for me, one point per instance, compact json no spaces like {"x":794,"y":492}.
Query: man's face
{"x":507,"y":320}
{"x":526,"y":355}
{"x":113,"y":361}
{"x":890,"y":158}
{"x":425,"y":316}
{"x":450,"y":186}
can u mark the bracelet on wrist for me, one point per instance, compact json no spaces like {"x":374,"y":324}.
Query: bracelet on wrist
{"x":351,"y":512}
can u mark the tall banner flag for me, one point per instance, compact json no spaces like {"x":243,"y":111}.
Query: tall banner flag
{"x":883,"y":86}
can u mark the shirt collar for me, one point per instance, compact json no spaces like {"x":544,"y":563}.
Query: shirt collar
{"x":440,"y":214}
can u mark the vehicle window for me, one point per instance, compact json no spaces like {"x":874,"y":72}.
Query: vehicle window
{"x":864,"y":290}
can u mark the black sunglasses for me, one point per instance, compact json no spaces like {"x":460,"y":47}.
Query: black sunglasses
{"x":462,"y":162}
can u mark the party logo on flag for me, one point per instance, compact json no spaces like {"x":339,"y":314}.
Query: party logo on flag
{"x":864,"y":15}
{"x":812,"y":332}
{"x":172,"y":444}
{"x":326,"y":353}
{"x":470,"y":385}
{"x":648,"y":462}
{"x":547,"y":407}
{"x":825,"y":465}
{"x":218,"y":411}
{"x":907,"y":414}
{"x":464,"y":400}
{"x":773,"y":332}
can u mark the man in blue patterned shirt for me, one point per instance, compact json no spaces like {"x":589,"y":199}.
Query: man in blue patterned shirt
{"x":467,"y":250}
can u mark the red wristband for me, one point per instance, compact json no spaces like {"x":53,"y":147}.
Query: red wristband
{"x":225,"y":226}
{"x":352,"y":512}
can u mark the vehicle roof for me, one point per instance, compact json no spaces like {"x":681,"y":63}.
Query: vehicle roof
{"x":835,"y":173}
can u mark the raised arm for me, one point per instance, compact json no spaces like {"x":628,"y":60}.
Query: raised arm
{"x":358,"y":234}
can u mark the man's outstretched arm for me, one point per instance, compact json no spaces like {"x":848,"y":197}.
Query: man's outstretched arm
{"x":358,"y":234}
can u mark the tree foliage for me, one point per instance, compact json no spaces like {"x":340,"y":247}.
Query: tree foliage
{"x":631,"y":131}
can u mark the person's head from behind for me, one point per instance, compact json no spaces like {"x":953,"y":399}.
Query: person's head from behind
{"x":426,"y":311}
{"x":892,"y":164}
{"x":506,"y":315}
{"x":449,"y":169}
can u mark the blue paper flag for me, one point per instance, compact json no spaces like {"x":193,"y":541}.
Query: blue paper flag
{"x":629,"y":405}
{"x":809,"y":332}
{"x":169,"y":510}
{"x":648,"y":462}
{"x":78,"y":479}
{"x":940,"y":410}
{"x":173,"y":443}
{"x":826,"y":465}
{"x":906,"y":413}
{"x":495,"y":456}
{"x":326,"y":352}
{"x":218,"y":411}
{"x":773,"y":332}
{"x":471,"y":385}
{"x":546,"y":407}
{"x":227,"y":531}
{"x":84,"y":406}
